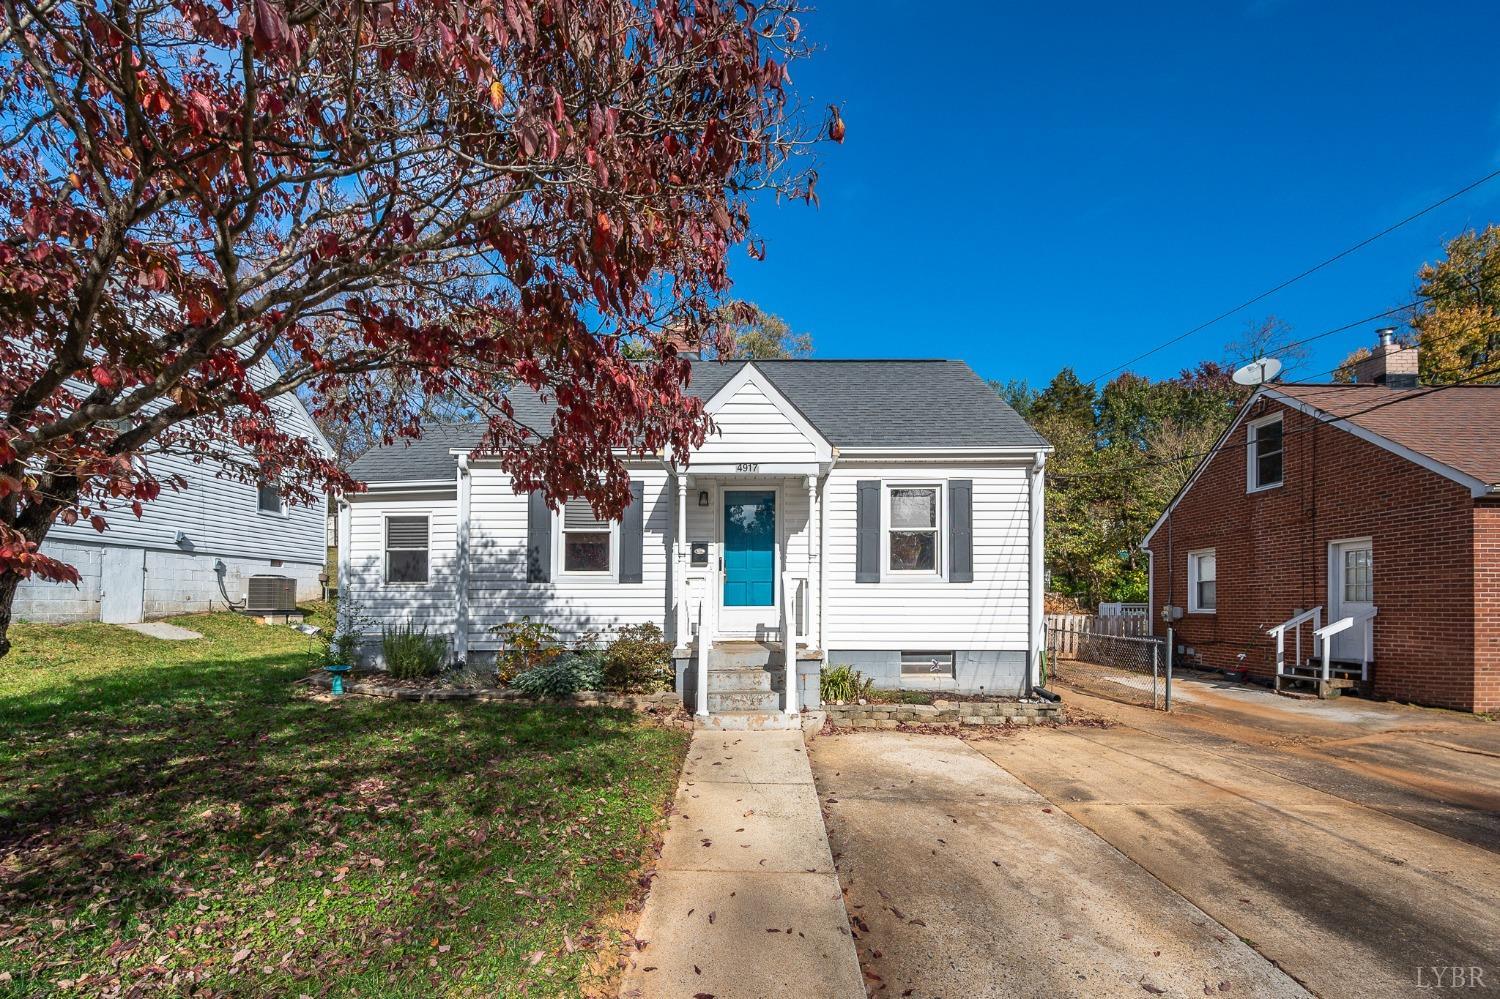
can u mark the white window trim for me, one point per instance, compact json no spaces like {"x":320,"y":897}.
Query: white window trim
{"x":385,"y":550}
{"x":940,"y":564}
{"x":1251,"y":465}
{"x":559,"y":570}
{"x":1192,"y":578}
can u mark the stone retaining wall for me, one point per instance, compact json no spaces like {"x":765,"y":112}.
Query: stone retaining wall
{"x":666,"y":702}
{"x":942,"y":712}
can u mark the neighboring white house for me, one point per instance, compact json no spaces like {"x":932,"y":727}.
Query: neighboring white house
{"x":188,"y":549}
{"x":887,"y":513}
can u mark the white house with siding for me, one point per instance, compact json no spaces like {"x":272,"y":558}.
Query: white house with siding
{"x":883,"y":514}
{"x":189,"y":549}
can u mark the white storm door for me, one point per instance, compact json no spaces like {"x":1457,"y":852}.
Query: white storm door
{"x":1351,"y":589}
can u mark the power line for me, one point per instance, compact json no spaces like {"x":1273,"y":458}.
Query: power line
{"x":1293,"y":280}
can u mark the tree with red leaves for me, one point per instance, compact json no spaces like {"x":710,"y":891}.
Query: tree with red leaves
{"x":372,"y":204}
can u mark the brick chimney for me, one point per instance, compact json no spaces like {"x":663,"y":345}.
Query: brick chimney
{"x":1389,"y":364}
{"x":674,"y":334}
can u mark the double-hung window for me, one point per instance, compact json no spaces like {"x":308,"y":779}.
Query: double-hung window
{"x":915,"y":529}
{"x":1203,"y":577}
{"x":1265,"y":453}
{"x":586,"y":544}
{"x":406,"y":549}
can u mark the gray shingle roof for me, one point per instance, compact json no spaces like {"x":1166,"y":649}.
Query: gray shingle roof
{"x":854,"y":404}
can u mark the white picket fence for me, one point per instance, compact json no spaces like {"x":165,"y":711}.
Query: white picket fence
{"x":1068,"y":630}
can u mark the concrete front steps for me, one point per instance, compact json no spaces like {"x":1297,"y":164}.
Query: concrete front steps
{"x":746,"y":689}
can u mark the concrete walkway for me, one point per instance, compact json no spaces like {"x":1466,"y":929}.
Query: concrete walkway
{"x":163,"y":630}
{"x":966,"y":884}
{"x":745,"y":901}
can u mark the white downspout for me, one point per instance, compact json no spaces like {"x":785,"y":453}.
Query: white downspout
{"x":1036,"y":510}
{"x":345,"y":579}
{"x":461,"y":599}
{"x":823,"y":558}
{"x":683,"y":627}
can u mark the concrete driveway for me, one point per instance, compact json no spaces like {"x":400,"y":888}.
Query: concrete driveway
{"x":961,"y":881}
{"x":1236,"y":846}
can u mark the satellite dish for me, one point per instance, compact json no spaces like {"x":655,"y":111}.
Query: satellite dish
{"x":1257,"y":372}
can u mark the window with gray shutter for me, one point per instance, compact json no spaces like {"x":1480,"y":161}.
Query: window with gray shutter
{"x":406,"y":549}
{"x":961,"y":531}
{"x":867,"y":531}
{"x":585,"y":539}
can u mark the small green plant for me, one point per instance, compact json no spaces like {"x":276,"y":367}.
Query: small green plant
{"x":524,"y":645}
{"x":411,"y":653}
{"x":562,"y":675}
{"x":638,"y":661}
{"x":844,"y":683}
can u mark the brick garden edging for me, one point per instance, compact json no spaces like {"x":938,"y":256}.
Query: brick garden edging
{"x":945,"y":713}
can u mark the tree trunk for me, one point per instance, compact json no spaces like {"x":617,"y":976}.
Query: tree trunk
{"x":33,"y":523}
{"x":9,"y":583}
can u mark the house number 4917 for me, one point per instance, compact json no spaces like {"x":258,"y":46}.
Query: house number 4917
{"x":747,"y":466}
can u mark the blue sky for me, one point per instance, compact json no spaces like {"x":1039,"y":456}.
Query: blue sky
{"x":1030,"y":185}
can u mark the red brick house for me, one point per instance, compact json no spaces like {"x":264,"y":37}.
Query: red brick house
{"x":1364,"y":518}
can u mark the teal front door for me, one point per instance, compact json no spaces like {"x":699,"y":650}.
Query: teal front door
{"x":749,"y":548}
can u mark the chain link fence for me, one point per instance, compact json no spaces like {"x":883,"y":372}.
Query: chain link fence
{"x":1132,"y":668}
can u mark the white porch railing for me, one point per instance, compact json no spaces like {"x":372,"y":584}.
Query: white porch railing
{"x":793,"y":617}
{"x":708,"y":602}
{"x":1365,"y":620}
{"x":1295,"y":625}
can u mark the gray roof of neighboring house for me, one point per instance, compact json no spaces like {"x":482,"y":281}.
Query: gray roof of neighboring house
{"x":853,"y":404}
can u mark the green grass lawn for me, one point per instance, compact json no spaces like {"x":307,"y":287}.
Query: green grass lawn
{"x":176,"y":817}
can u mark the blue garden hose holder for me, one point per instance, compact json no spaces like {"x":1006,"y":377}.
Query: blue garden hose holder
{"x":336,"y":684}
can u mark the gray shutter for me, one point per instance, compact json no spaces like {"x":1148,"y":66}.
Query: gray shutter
{"x":538,"y":539}
{"x":633,"y":534}
{"x":867,"y":532}
{"x":961,"y":531}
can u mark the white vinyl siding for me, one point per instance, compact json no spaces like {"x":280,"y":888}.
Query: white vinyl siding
{"x":373,"y":602}
{"x":751,"y":429}
{"x":926,"y":612}
{"x":1203,"y":585}
{"x":573,"y":603}
{"x":217,"y":516}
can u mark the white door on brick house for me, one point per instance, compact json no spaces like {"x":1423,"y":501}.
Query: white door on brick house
{"x":1351,"y":589}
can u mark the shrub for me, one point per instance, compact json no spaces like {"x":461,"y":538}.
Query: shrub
{"x":411,"y":653}
{"x":562,"y":675}
{"x":638,"y":661}
{"x":844,"y":683}
{"x":525,"y":645}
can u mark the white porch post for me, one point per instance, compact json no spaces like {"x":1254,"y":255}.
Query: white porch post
{"x":679,"y":565}
{"x":814,"y":555}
